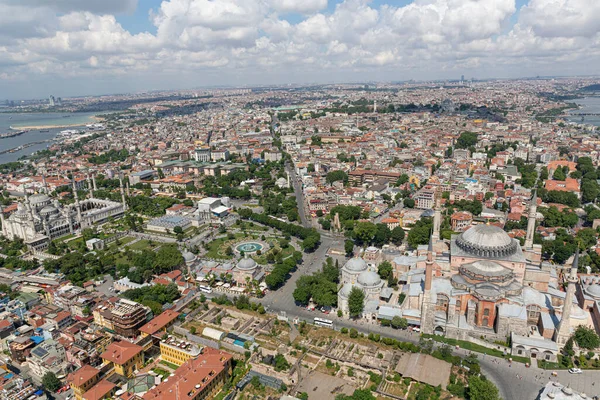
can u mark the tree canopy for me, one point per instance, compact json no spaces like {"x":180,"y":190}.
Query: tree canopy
{"x":356,"y":302}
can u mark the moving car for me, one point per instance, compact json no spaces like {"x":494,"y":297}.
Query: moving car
{"x":575,"y":371}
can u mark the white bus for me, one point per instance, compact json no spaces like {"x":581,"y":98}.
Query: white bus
{"x":324,"y":322}
{"x":205,"y":289}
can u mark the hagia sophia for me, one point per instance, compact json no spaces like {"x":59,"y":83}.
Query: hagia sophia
{"x":482,"y":284}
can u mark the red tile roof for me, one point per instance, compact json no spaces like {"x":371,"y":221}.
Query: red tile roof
{"x":121,"y":352}
{"x":159,"y":322}
{"x":82,"y":375}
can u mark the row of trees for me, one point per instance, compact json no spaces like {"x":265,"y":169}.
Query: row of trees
{"x":281,"y":271}
{"x":310,"y":236}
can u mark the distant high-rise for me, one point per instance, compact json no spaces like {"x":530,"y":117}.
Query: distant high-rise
{"x":51,"y":101}
{"x":462,"y":78}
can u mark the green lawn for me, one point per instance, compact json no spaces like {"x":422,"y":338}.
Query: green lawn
{"x":64,"y":238}
{"x":74,"y":244}
{"x":143,"y":245}
{"x":475,"y":347}
{"x":216,"y":248}
{"x":162,"y":372}
{"x":168,"y":364}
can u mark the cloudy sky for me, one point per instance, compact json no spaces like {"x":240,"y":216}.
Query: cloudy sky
{"x":74,"y":47}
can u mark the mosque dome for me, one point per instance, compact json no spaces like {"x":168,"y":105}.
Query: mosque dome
{"x":345,"y":290}
{"x":487,"y":241}
{"x":38,"y":199}
{"x":369,"y":279}
{"x":593,"y":290}
{"x":188,"y":257}
{"x":356,"y":264}
{"x":48,"y":210}
{"x":246,"y":264}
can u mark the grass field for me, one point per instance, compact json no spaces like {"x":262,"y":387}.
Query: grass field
{"x":476,"y":348}
{"x":143,"y":245}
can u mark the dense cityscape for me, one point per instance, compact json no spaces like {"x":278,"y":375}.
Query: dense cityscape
{"x":418,"y":240}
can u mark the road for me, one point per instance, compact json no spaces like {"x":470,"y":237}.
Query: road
{"x":306,"y":222}
{"x":503,"y":375}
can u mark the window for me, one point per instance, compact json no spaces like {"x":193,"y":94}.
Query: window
{"x":486,"y":321}
{"x":533,"y":313}
{"x":519,"y":352}
{"x":486,"y":312}
{"x":458,"y":303}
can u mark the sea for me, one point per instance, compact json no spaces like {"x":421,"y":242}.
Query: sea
{"x":588,"y":105}
{"x":52,"y":124}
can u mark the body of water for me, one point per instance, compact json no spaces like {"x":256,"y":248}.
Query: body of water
{"x":34,"y":122}
{"x":588,"y":105}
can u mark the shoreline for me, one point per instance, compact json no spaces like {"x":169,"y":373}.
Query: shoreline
{"x":95,"y":120}
{"x":38,"y":127}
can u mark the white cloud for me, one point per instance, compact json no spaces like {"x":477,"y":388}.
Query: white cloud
{"x":252,"y":39}
{"x":562,"y":18}
{"x":298,"y":6}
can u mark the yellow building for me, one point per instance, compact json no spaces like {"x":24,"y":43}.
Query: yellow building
{"x":178,"y":352}
{"x":82,"y":380}
{"x":198,"y":379}
{"x":125,"y":357}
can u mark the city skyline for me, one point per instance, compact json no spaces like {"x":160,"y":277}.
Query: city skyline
{"x":71,"y":48}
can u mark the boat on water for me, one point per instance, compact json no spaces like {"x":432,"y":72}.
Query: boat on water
{"x":44,"y":130}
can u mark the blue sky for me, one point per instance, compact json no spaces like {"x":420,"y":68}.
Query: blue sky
{"x":71,"y":47}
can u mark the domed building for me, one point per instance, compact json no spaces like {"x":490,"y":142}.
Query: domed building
{"x":357,"y":273}
{"x":485,"y":285}
{"x":246,"y":270}
{"x":39,"y":219}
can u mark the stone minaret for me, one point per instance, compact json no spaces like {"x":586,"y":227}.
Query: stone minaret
{"x":122,"y":192}
{"x":46,"y":191}
{"x":427,"y":304}
{"x":531,"y":222}
{"x":127,"y":190}
{"x":69,"y":219}
{"x":3,"y":227}
{"x":563,"y":332}
{"x":77,"y":205}
{"x":94,"y":181}
{"x":90,"y":187}
{"x":437,"y":221}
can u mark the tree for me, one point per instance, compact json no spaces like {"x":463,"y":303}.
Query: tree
{"x":385,"y":270}
{"x":397,"y":235}
{"x":382,"y":235}
{"x":482,"y":389}
{"x":349,"y":247}
{"x":419,"y":233}
{"x":586,"y":338}
{"x":356,"y":302}
{"x":364,"y":232}
{"x":51,"y":382}
{"x":399,"y":322}
{"x":466,"y":140}
{"x":402,"y":180}
{"x":559,"y":175}
{"x":409,"y":203}
{"x":335,"y":176}
{"x":359,"y":394}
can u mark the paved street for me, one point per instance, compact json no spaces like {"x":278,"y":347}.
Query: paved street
{"x":306,"y":222}
{"x":526,"y":385}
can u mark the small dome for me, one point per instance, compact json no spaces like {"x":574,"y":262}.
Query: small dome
{"x":345,"y":290}
{"x":39,"y":198}
{"x":369,"y":278}
{"x":246,"y":264}
{"x":188,"y":257}
{"x":356,"y":264}
{"x":48,"y":210}
{"x":593,"y":290}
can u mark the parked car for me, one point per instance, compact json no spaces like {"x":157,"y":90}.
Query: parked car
{"x":575,"y":371}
